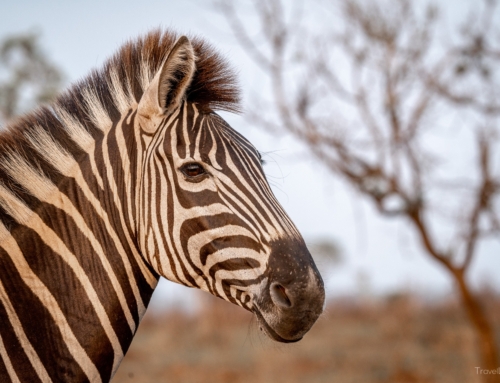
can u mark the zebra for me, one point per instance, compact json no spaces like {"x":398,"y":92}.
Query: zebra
{"x":127,"y":176}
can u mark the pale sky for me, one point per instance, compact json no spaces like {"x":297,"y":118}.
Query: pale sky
{"x":79,"y":36}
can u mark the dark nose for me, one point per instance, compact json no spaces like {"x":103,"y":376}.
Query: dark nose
{"x":298,"y":302}
{"x":293,"y":298}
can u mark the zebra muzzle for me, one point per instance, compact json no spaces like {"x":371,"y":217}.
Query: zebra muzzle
{"x":293,"y":297}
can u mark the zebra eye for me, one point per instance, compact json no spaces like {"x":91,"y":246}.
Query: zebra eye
{"x":192,"y":170}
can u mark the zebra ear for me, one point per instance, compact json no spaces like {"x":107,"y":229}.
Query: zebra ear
{"x":166,"y":91}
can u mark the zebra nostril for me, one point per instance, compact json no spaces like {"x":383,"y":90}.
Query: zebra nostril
{"x":279,"y":295}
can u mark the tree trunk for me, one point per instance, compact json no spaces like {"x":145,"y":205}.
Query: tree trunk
{"x":490,"y":366}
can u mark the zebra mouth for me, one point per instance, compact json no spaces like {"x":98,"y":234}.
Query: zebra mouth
{"x":270,"y":332}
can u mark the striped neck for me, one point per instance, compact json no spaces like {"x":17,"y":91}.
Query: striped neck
{"x":67,"y":236}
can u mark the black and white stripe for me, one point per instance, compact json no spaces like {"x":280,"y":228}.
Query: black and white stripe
{"x":96,"y":204}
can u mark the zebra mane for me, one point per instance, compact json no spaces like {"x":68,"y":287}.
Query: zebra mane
{"x":79,"y":116}
{"x":108,"y":92}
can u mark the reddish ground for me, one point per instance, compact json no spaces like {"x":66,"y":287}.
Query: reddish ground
{"x":398,"y":340}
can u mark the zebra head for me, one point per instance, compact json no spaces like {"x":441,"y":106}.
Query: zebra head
{"x":207,"y":217}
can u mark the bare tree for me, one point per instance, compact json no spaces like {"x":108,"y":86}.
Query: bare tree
{"x":400,"y":110}
{"x":27,"y":77}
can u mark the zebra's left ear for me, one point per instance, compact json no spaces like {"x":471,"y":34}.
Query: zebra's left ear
{"x":166,"y":91}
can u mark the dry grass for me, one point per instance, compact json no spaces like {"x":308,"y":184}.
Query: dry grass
{"x":397,"y":340}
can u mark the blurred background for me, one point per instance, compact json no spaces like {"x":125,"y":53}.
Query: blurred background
{"x":379,"y":125}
